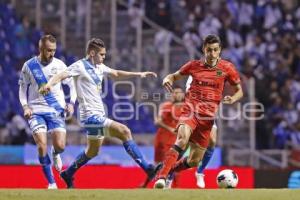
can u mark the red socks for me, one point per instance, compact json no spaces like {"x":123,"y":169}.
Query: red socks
{"x":168,"y":163}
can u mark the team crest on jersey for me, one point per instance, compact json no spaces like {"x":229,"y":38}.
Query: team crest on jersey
{"x":54,"y":70}
{"x":219,"y":73}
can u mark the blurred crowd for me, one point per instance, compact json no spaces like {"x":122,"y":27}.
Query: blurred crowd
{"x":261,"y":37}
{"x":18,"y":42}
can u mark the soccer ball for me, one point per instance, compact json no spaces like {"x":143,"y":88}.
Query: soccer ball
{"x":227,"y":178}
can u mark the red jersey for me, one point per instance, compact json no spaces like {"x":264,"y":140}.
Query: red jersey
{"x":207,"y":87}
{"x":170,"y":114}
{"x":164,"y":139}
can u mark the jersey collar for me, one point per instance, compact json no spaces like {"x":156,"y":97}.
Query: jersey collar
{"x":211,"y":67}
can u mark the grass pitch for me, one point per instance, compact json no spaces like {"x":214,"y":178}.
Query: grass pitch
{"x":149,"y":194}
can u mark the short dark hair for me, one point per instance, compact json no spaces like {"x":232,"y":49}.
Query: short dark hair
{"x":211,"y":39}
{"x":49,"y":38}
{"x":94,"y":44}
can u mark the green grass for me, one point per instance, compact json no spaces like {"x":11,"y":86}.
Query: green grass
{"x":150,"y":194}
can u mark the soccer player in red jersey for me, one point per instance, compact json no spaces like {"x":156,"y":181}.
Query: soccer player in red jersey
{"x":167,"y":119}
{"x":200,"y":106}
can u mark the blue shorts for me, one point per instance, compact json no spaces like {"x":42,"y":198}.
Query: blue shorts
{"x":97,"y":126}
{"x":46,"y":122}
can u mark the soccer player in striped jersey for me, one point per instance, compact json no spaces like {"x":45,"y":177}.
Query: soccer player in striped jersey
{"x":45,"y":113}
{"x":88,"y":74}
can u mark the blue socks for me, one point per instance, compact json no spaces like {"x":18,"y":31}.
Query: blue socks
{"x":46,"y":164}
{"x":133,"y":150}
{"x":206,"y":158}
{"x":81,"y":160}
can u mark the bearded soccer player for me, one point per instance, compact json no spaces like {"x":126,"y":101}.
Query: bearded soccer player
{"x":200,"y":106}
{"x":45,"y":113}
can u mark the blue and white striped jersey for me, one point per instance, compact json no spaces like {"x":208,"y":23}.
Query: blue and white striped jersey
{"x":28,"y":93}
{"x":88,"y":92}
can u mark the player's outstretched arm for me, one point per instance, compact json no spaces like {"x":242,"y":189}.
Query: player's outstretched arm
{"x":53,"y":81}
{"x":237,"y":95}
{"x":170,"y":79}
{"x":120,"y":74}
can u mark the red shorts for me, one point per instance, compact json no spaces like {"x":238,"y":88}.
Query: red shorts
{"x":200,"y":125}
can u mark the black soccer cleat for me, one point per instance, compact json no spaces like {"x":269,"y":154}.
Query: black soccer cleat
{"x":153,"y":171}
{"x":68,"y":180}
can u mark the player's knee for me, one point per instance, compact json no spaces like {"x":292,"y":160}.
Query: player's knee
{"x":182,"y":141}
{"x":59,"y":147}
{"x":183,"y":135}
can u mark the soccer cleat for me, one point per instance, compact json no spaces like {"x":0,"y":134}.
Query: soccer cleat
{"x":169,"y":180}
{"x":56,"y":160}
{"x":151,"y":174}
{"x":52,"y":186}
{"x":168,"y":184}
{"x":200,"y":180}
{"x":160,"y":183}
{"x":68,"y":179}
{"x":153,"y":171}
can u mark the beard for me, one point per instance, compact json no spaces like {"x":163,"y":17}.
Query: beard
{"x":46,"y":60}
